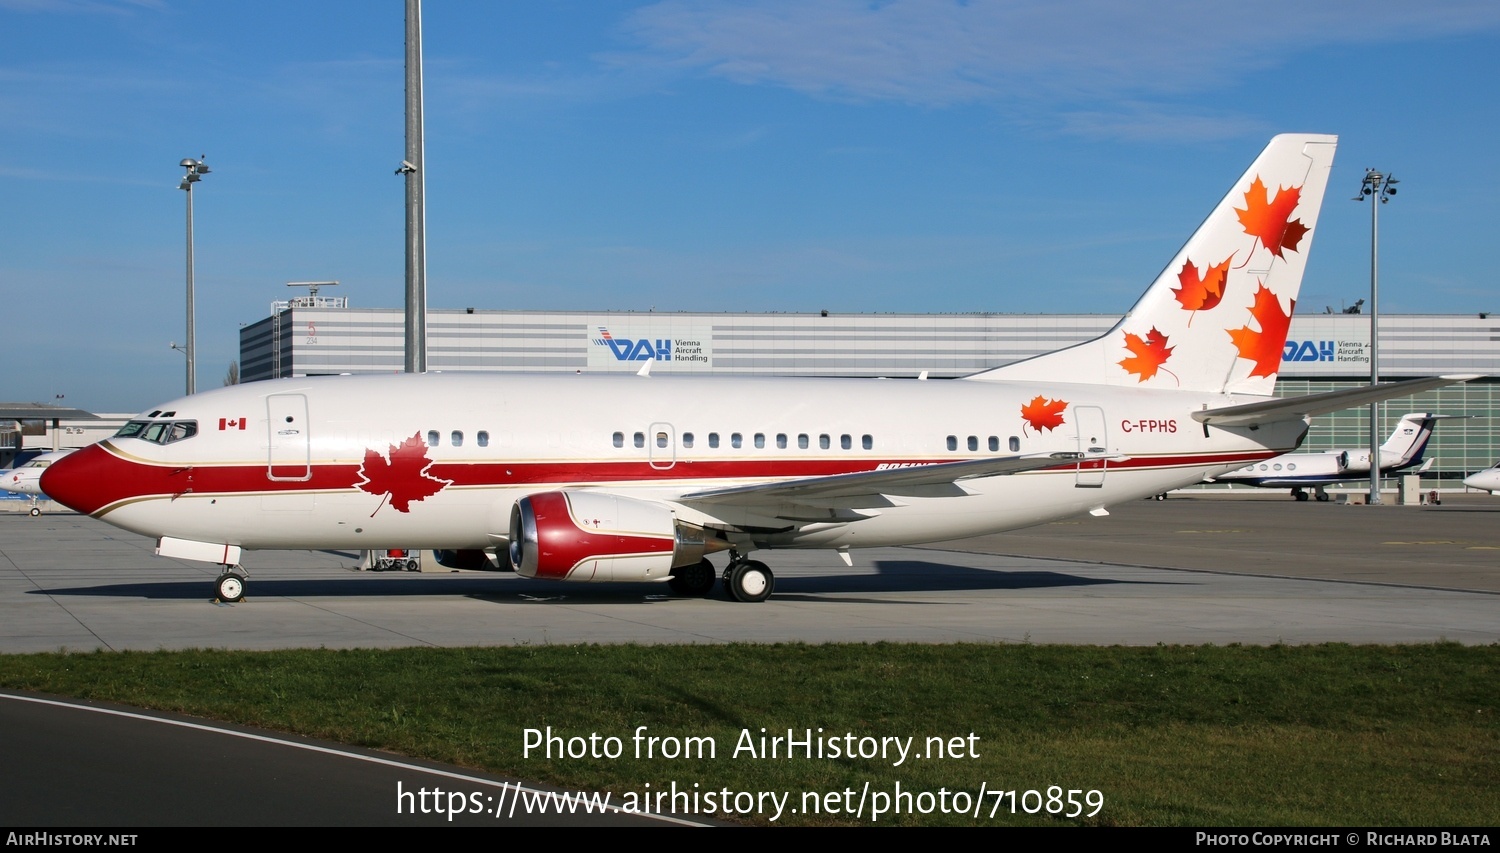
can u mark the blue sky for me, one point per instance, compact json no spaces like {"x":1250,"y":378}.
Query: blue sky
{"x":909,"y":156}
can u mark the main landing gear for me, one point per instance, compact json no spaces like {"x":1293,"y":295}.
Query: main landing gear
{"x":744,"y":580}
{"x":230,"y":587}
{"x":748,"y":580}
{"x":1318,"y":492}
{"x":696,"y":580}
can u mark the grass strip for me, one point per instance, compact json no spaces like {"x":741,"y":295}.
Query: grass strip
{"x":1171,"y":735}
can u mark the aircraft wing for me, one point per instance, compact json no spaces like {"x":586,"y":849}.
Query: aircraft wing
{"x":919,"y":480}
{"x":1296,"y":408}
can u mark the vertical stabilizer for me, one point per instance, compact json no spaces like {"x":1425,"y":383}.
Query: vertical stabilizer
{"x":1216,"y":318}
{"x":1408,"y":442}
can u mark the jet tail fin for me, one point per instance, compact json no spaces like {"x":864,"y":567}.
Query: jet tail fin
{"x":1215,"y":319}
{"x":1409,"y":439}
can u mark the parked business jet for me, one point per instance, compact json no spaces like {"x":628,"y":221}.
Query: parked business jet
{"x":27,"y":479}
{"x":1488,"y":479}
{"x":1298,"y":471}
{"x":639,"y":478}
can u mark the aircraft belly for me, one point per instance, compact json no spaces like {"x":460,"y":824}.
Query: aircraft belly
{"x":328,"y":520}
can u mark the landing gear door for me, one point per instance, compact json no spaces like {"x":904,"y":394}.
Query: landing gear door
{"x":290,"y":446}
{"x":1092,"y":443}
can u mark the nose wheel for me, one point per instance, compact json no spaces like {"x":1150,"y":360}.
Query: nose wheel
{"x":749,"y":580}
{"x":229,"y":588}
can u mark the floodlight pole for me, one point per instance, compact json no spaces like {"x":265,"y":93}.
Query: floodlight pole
{"x":416,"y":217}
{"x":1378,"y":188}
{"x":196,"y":169}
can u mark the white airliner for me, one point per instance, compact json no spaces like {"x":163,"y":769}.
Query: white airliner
{"x":637,"y":478}
{"x":27,"y":479}
{"x":1488,"y":479}
{"x":1298,"y":471}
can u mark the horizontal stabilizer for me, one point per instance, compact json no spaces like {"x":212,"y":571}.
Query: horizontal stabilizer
{"x":1297,"y":408}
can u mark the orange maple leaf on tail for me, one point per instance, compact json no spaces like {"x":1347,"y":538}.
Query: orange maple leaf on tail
{"x":1042,"y":413}
{"x":1267,"y":220}
{"x":1147,"y":355}
{"x":1264,"y":347}
{"x":1200,"y":293}
{"x":404,"y":478}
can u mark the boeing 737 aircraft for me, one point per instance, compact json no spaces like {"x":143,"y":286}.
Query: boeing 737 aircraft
{"x":1299,"y":471}
{"x":639,"y":478}
{"x":1488,"y":479}
{"x":27,"y":479}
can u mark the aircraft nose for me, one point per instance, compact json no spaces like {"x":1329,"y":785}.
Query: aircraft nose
{"x":80,"y":480}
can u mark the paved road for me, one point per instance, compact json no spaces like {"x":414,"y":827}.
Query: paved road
{"x":1178,"y":571}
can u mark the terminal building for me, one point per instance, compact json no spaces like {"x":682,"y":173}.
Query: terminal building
{"x":317,"y":335}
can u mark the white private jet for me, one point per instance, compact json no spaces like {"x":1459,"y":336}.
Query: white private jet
{"x":638,"y":478}
{"x":1299,"y":471}
{"x":1488,"y":479}
{"x":27,"y":479}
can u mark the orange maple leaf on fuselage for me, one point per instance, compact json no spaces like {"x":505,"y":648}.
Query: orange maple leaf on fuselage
{"x":1267,"y":220}
{"x":404,"y":478}
{"x":1042,"y":413}
{"x":1147,"y":355}
{"x":1264,"y":347}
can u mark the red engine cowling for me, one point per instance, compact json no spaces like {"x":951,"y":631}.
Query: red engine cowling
{"x":596,"y":536}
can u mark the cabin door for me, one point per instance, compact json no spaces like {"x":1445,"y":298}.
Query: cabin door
{"x":289,"y":444}
{"x":1092,"y":441}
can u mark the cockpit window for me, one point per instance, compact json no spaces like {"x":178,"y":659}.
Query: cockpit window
{"x":159,"y":432}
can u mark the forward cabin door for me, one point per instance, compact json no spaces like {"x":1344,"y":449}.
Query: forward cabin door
{"x":289,"y":445}
{"x":1092,"y":441}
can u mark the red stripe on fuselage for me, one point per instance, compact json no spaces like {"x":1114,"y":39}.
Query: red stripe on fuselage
{"x":97,"y":478}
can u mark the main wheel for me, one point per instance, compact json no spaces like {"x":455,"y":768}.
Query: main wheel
{"x":751,"y":580}
{"x":35,"y":511}
{"x":696,"y":580}
{"x":230,"y":588}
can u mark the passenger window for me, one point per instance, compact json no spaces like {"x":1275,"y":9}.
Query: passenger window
{"x":846,"y":442}
{"x":802,"y":440}
{"x":661,"y":439}
{"x":432,"y":438}
{"x":713,"y":439}
{"x":952,"y":442}
{"x":619,"y":439}
{"x":867,"y":442}
{"x":482,"y":438}
{"x":824,"y":442}
{"x":640,"y":439}
{"x":973,"y":442}
{"x":735,"y":440}
{"x":687,"y":440}
{"x":760,"y":439}
{"x":1015,"y":444}
{"x":781,"y":441}
{"x":458,"y":438}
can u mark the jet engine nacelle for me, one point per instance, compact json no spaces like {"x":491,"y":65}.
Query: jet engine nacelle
{"x":597,"y":536}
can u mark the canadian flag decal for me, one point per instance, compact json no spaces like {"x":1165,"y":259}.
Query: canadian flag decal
{"x":232,"y":423}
